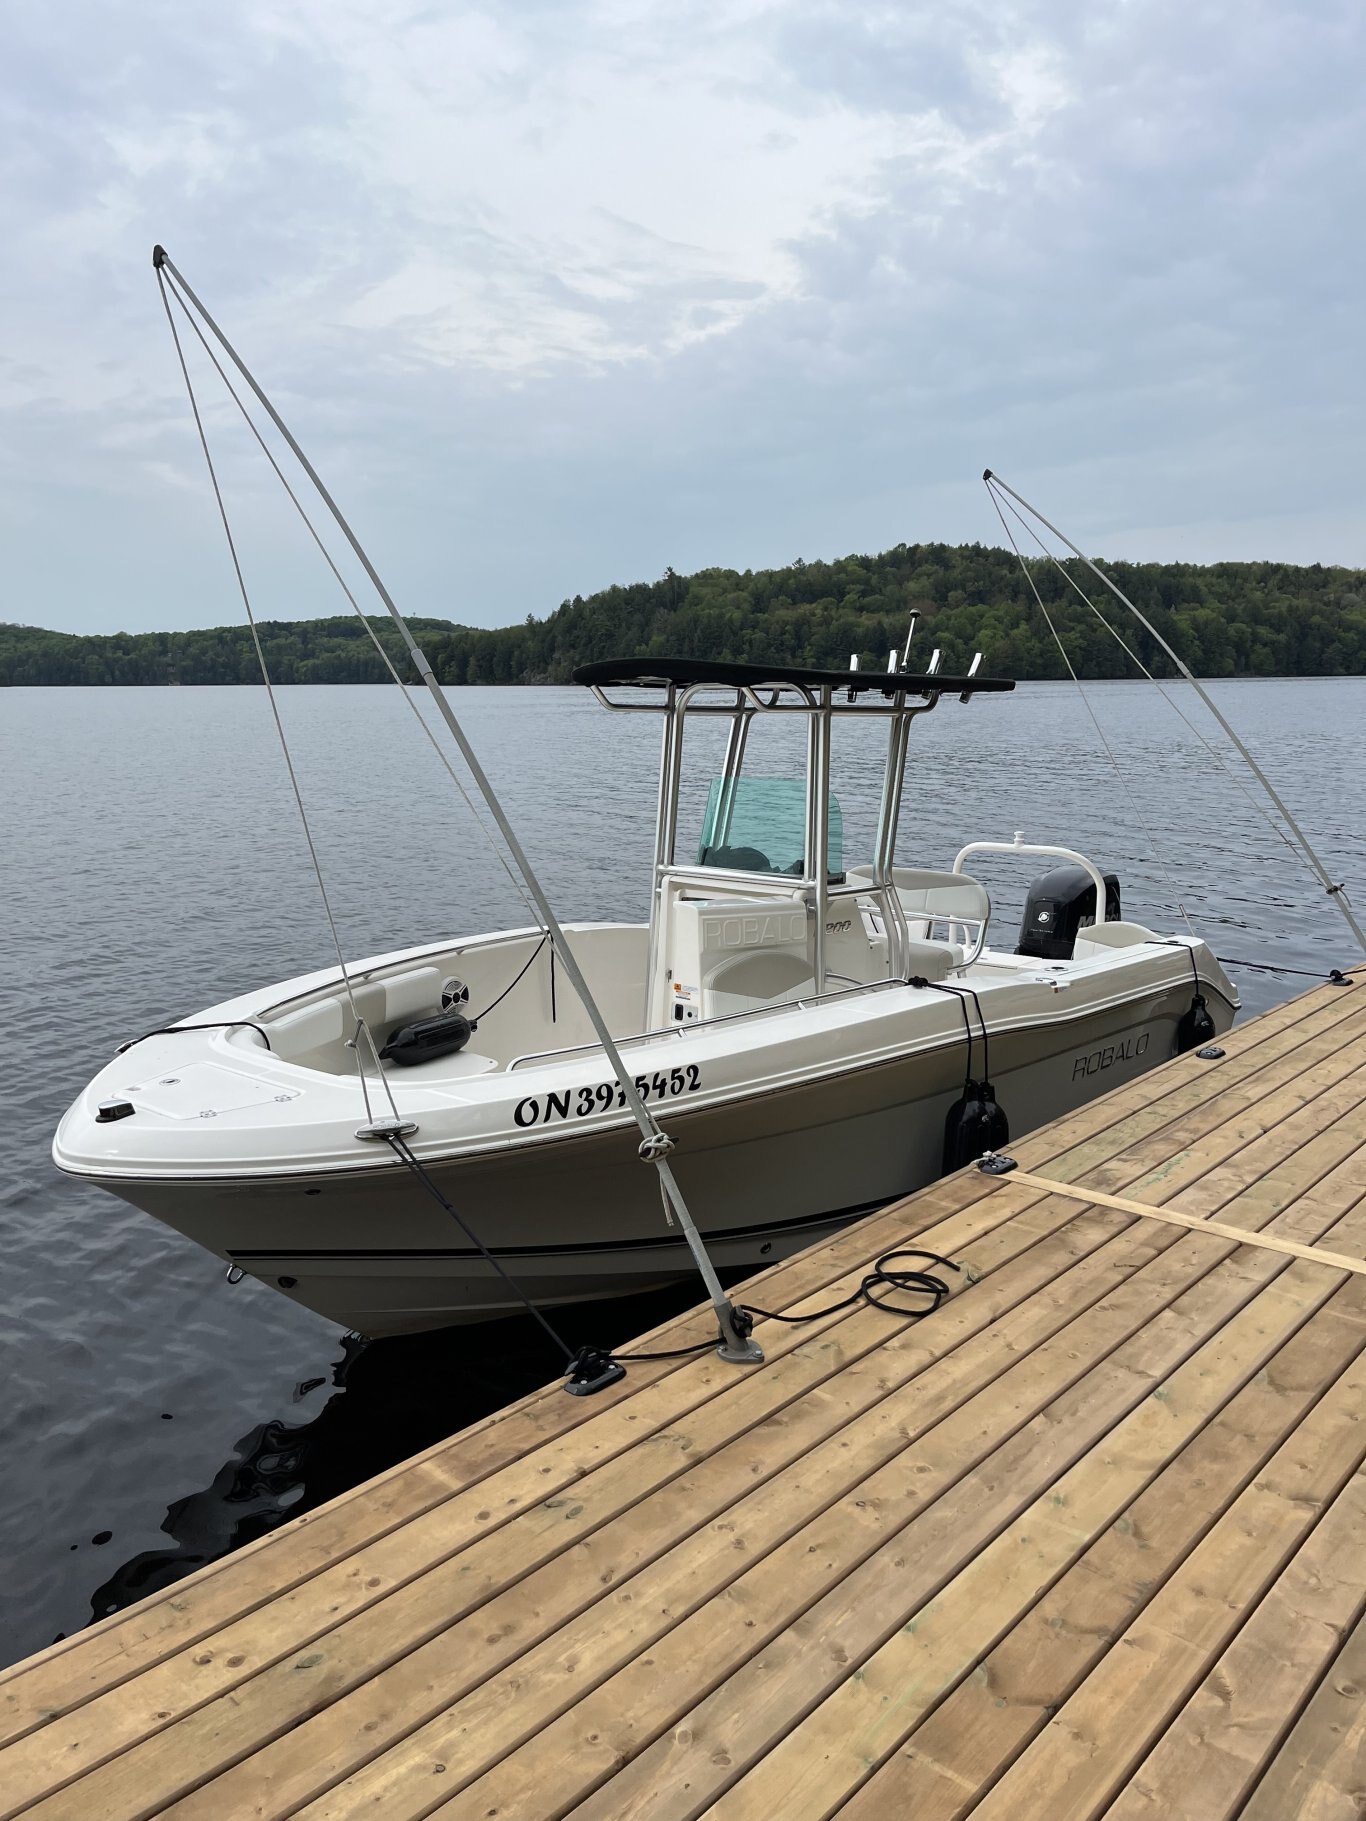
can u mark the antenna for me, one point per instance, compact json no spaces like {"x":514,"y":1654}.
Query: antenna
{"x":910,"y":634}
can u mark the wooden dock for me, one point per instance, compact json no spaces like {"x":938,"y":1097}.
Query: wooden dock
{"x":1088,"y":1541}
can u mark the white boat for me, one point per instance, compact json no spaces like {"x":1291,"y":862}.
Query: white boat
{"x":800,"y":1013}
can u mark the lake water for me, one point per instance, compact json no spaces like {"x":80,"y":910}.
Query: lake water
{"x":154,"y":1416}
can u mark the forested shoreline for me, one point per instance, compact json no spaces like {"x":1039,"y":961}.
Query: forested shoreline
{"x":1226,"y":620}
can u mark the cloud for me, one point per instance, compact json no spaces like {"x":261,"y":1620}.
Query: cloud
{"x":557,"y":295}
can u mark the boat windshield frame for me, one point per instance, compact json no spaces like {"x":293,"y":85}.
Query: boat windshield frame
{"x":893,"y":697}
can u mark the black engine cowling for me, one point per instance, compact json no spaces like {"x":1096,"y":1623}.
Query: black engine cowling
{"x":1060,"y":903}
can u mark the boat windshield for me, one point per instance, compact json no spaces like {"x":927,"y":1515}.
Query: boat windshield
{"x":758,"y":825}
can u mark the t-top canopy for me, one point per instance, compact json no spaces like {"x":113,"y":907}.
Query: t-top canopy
{"x":686,"y":671}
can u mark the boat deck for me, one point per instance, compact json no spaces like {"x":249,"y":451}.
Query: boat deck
{"x":1088,"y":1541}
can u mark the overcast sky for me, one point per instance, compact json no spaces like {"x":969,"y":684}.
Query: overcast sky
{"x":558,"y":295}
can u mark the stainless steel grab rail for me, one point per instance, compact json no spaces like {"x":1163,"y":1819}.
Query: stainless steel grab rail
{"x":707,"y":1024}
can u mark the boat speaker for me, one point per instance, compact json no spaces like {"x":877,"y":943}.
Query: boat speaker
{"x":1060,"y":903}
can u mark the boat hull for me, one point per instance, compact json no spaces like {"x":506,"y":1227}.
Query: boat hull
{"x":577,"y":1216}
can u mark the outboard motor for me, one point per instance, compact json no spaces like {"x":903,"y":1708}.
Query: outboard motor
{"x":1060,"y":903}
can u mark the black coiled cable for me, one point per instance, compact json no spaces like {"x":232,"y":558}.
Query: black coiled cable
{"x":875,"y":1289}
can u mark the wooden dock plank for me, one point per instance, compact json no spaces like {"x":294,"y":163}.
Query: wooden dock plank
{"x":955,"y":1755}
{"x":818,"y":1476}
{"x":127,"y":1641}
{"x":714,"y":1592}
{"x":817,"y":1765}
{"x":1318,"y":1774}
{"x":1195,"y":1223}
{"x":1097,"y":1750}
{"x":1268,"y":1131}
{"x":817,"y":1593}
{"x":829,"y":1646}
{"x":1079,"y":1760}
{"x":1212,"y":1754}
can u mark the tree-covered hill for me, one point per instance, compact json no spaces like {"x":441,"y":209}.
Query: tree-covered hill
{"x":1226,"y":619}
{"x":297,"y":651}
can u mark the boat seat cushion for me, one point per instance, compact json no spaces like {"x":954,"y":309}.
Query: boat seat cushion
{"x":306,"y":1028}
{"x":934,"y":896}
{"x":382,"y":1003}
{"x":414,"y":993}
{"x":1099,"y":938}
{"x":930,"y":960}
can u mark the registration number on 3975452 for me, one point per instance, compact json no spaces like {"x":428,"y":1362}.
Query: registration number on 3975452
{"x":578,"y":1103}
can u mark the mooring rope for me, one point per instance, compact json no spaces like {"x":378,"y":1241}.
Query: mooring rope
{"x":413,"y":1164}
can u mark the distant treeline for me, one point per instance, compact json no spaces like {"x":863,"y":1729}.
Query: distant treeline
{"x":1226,"y":619}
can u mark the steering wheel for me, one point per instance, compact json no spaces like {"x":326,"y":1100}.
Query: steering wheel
{"x":738,"y":859}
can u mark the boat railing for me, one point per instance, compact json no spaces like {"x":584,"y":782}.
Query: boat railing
{"x":697,"y":1027}
{"x":1018,"y":845}
{"x":781,"y":698}
{"x":406,"y":958}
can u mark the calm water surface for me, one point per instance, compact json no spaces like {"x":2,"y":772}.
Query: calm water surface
{"x":153,"y":1416}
